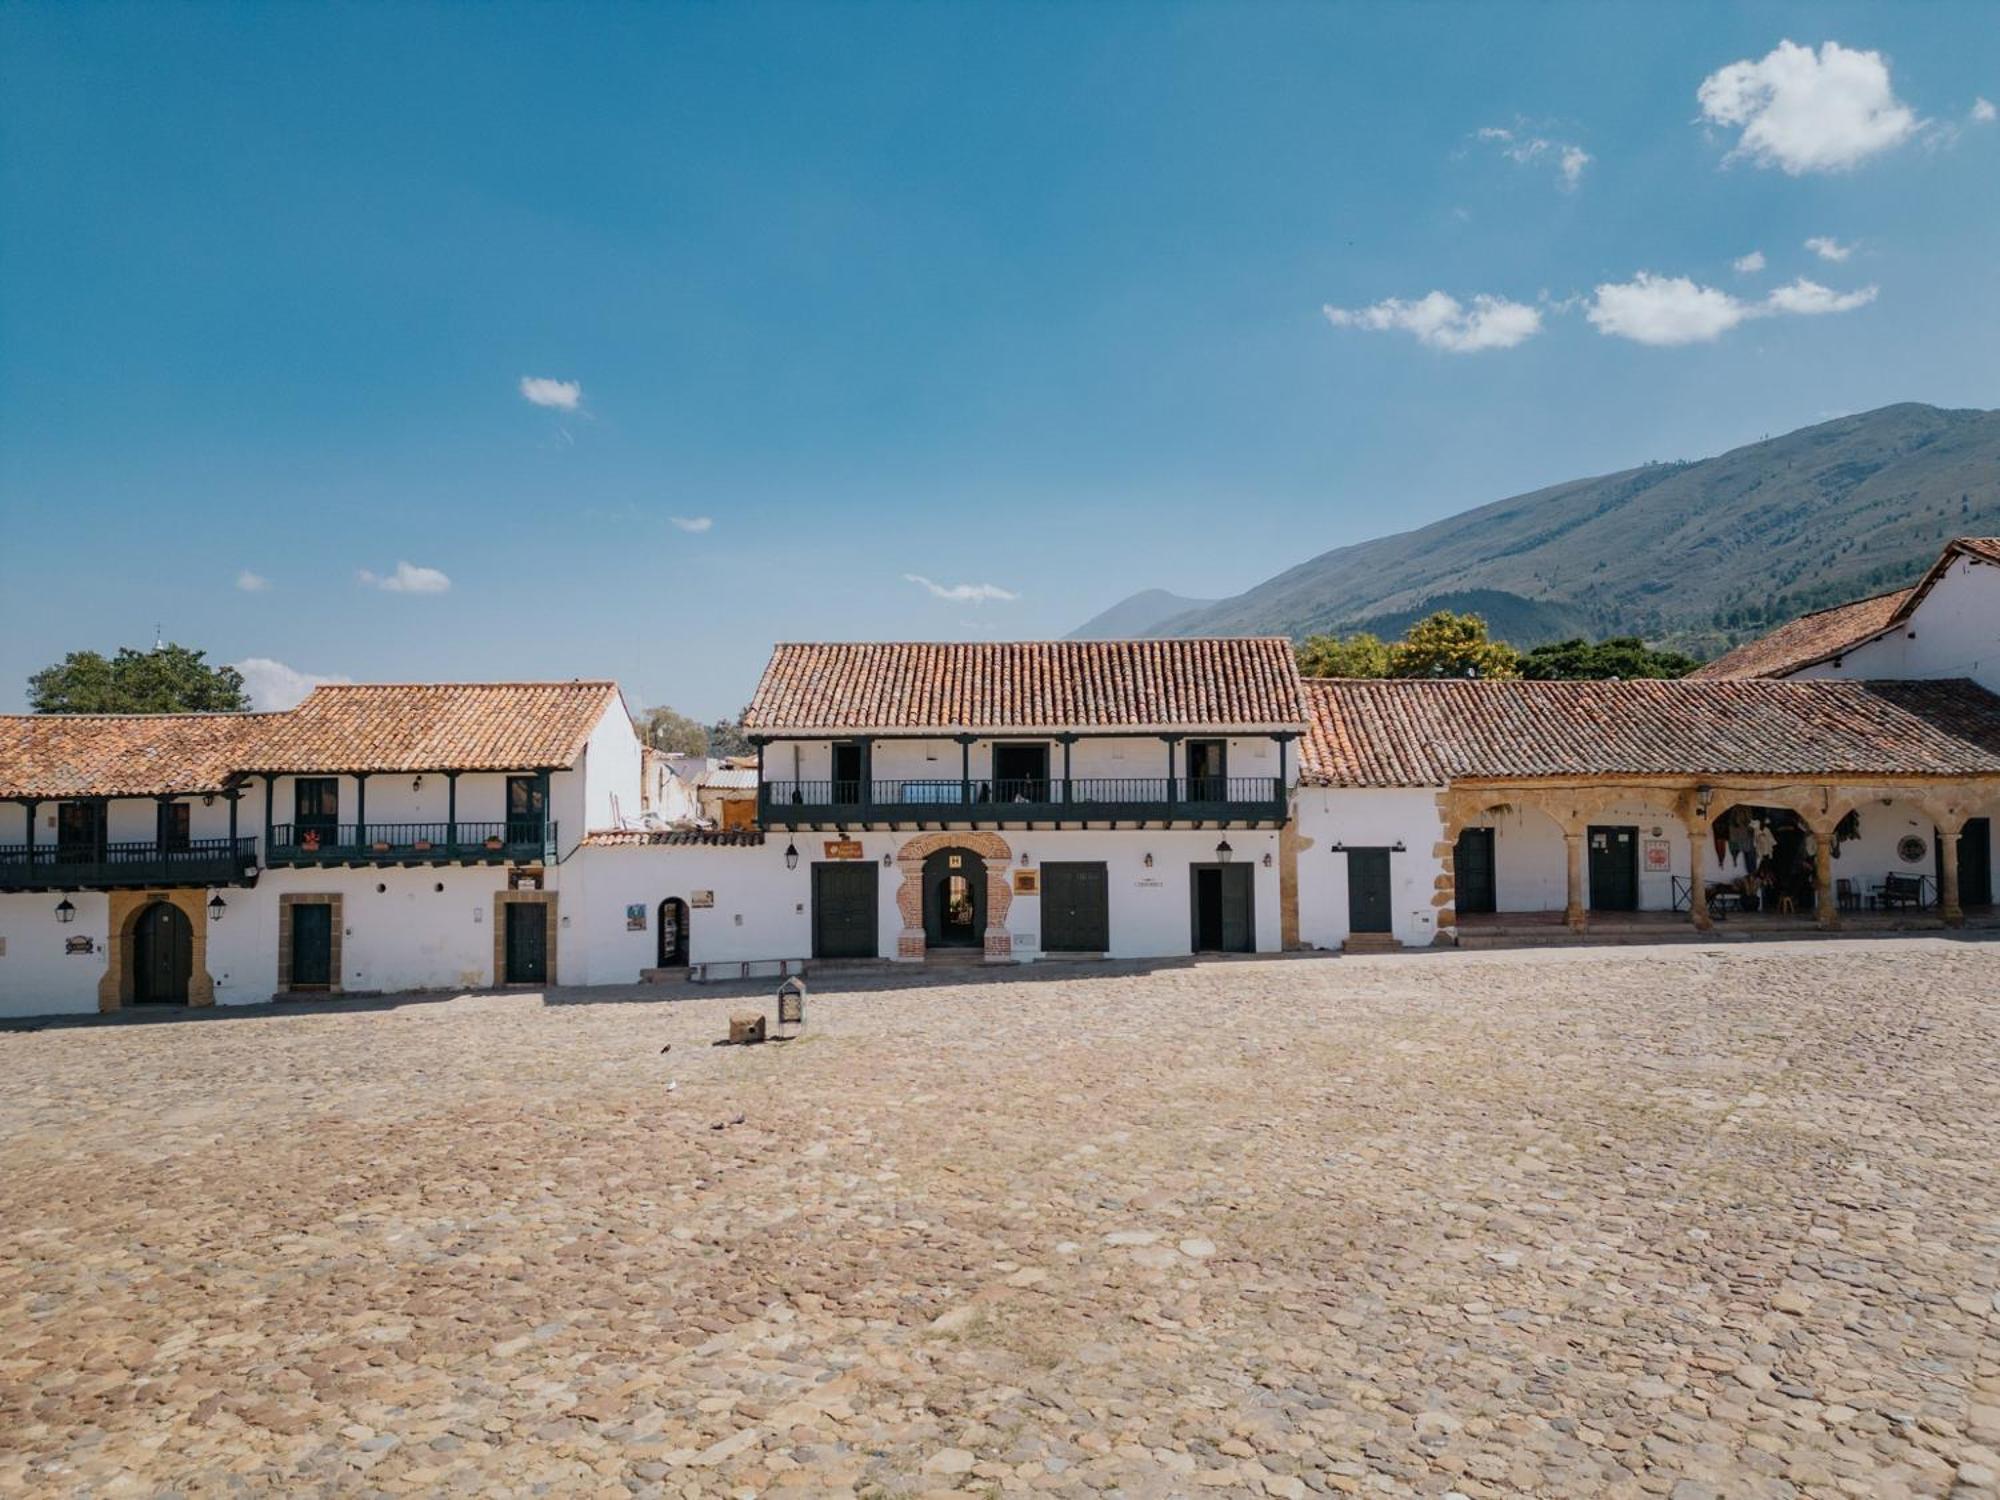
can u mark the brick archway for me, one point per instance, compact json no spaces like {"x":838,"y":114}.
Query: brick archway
{"x":910,"y":944}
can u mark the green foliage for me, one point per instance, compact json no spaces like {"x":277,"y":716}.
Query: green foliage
{"x":726,"y":737}
{"x":1622,"y":656}
{"x":672,"y":732}
{"x":1452,"y":645}
{"x":166,"y":680}
{"x":1358,"y":655}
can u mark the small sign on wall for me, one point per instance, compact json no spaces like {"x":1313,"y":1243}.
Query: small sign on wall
{"x":701,"y":900}
{"x":1027,"y":882}
{"x":1658,"y":856}
{"x":844,"y":849}
{"x":81,"y":944}
{"x":635,"y":919}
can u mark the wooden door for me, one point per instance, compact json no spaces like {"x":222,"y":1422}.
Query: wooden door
{"x":1223,"y":913}
{"x":850,"y":774}
{"x":1614,"y":868}
{"x":527,"y":943}
{"x":1474,"y":877}
{"x":162,"y":956}
{"x":1975,"y":863}
{"x":1076,"y":908}
{"x":312,"y":946}
{"x":844,"y":913}
{"x":1207,"y":770}
{"x":1368,"y":890}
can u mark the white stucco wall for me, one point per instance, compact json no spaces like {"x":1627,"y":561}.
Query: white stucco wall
{"x":940,"y":760}
{"x":1954,"y":632}
{"x":1367,"y":817}
{"x":37,"y":978}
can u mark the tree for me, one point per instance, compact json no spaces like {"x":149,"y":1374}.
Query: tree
{"x":668,"y":730}
{"x":166,"y":680}
{"x":1622,"y":656}
{"x":1358,"y":655}
{"x":1452,"y":645}
{"x":726,"y":737}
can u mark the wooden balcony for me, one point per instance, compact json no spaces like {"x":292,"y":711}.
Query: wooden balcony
{"x":528,"y":841}
{"x":122,"y":866}
{"x":1053,"y":802}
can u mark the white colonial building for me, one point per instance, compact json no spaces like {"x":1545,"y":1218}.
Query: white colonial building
{"x":1000,"y":803}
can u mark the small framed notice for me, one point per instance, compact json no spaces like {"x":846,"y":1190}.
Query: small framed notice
{"x":1027,"y":882}
{"x":844,"y":849}
{"x":1658,"y":856}
{"x":635,"y":918}
{"x":702,"y":900}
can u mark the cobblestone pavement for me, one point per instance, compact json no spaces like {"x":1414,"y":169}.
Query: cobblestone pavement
{"x":1669,"y":1222}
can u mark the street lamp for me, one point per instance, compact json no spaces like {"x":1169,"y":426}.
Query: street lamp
{"x":791,"y":856}
{"x":65,"y":911}
{"x":1223,"y":852}
{"x":216,"y":907}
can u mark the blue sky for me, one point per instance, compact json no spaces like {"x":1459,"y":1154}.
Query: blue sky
{"x":815,"y":302}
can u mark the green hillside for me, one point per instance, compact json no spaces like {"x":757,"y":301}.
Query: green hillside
{"x":1693,"y":555}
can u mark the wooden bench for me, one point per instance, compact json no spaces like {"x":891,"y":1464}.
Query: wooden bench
{"x":1903,"y":890}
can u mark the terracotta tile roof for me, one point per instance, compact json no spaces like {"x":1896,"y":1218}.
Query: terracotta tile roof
{"x":123,"y":755}
{"x":1247,"y":683}
{"x":1816,"y":637}
{"x":1428,"y":733}
{"x":724,"y":838}
{"x":447,"y":726}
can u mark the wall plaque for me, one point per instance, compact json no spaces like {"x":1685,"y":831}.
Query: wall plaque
{"x":1027,"y":882}
{"x":635,"y":918}
{"x":1658,"y":856}
{"x":81,"y":944}
{"x":844,"y":849}
{"x":701,"y":900}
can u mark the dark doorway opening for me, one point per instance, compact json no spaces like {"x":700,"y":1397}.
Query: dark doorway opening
{"x":1222,"y":917}
{"x":1020,"y":773}
{"x":162,"y":956}
{"x":312,"y":946}
{"x":850,"y":773}
{"x":1368,"y":890}
{"x":527,"y":942}
{"x":1207,"y":770}
{"x":1475,"y":882}
{"x":1614,"y":868}
{"x":1076,"y":908}
{"x":80,"y":831}
{"x":955,"y":899}
{"x":844,"y":919}
{"x":673,"y":928}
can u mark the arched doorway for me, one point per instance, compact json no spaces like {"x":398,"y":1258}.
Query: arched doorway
{"x":162,"y":956}
{"x":955,"y":899}
{"x":673,"y":927}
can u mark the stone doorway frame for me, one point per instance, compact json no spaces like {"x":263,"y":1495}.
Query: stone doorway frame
{"x":286,"y":902}
{"x":115,"y":988}
{"x":911,"y":944}
{"x":501,"y":901}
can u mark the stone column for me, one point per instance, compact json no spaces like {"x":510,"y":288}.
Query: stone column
{"x":911,"y":941}
{"x":1826,"y":909}
{"x":1698,"y":877}
{"x":1948,"y":906}
{"x":998,"y":941}
{"x":1574,"y":912}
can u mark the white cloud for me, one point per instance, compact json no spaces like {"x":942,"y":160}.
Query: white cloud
{"x":1749,"y":265}
{"x":1443,"y":322}
{"x":1664,"y":310}
{"x":962,"y":593}
{"x":253,"y":583}
{"x":273,"y":685}
{"x":1802,"y":111}
{"x":1809,"y":298}
{"x":1525,"y":150}
{"x":696,"y":524}
{"x":1669,"y":310}
{"x":407,"y":579}
{"x":563,"y":395}
{"x":1983,"y":112}
{"x":1826,"y":247}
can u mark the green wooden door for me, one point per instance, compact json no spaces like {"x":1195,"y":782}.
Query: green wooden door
{"x":312,"y":946}
{"x":1368,"y":890}
{"x":844,"y":914}
{"x":1076,"y":908}
{"x":1614,"y":869}
{"x":527,"y":942}
{"x":162,"y":957}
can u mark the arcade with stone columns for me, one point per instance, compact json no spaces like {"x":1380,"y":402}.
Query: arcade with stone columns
{"x":1553,"y":820}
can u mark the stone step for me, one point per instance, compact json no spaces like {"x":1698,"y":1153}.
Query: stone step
{"x":1371,"y":942}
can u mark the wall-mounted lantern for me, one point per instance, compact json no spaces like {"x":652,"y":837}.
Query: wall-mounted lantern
{"x":65,"y":911}
{"x":1149,"y":860}
{"x":791,"y":856}
{"x":1223,"y":853}
{"x":1267,"y":859}
{"x":888,"y":861}
{"x":216,"y":907}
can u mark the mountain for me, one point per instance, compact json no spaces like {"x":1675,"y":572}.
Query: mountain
{"x":1142,"y":614}
{"x":1693,"y":555}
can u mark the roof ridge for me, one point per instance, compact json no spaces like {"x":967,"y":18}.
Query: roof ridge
{"x":471,"y":683}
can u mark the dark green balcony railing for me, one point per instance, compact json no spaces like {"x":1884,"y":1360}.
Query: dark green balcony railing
{"x":505,"y":842}
{"x":1093,"y":799}
{"x":122,"y":865}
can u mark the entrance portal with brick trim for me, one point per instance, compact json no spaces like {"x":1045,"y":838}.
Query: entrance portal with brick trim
{"x":993,"y":853}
